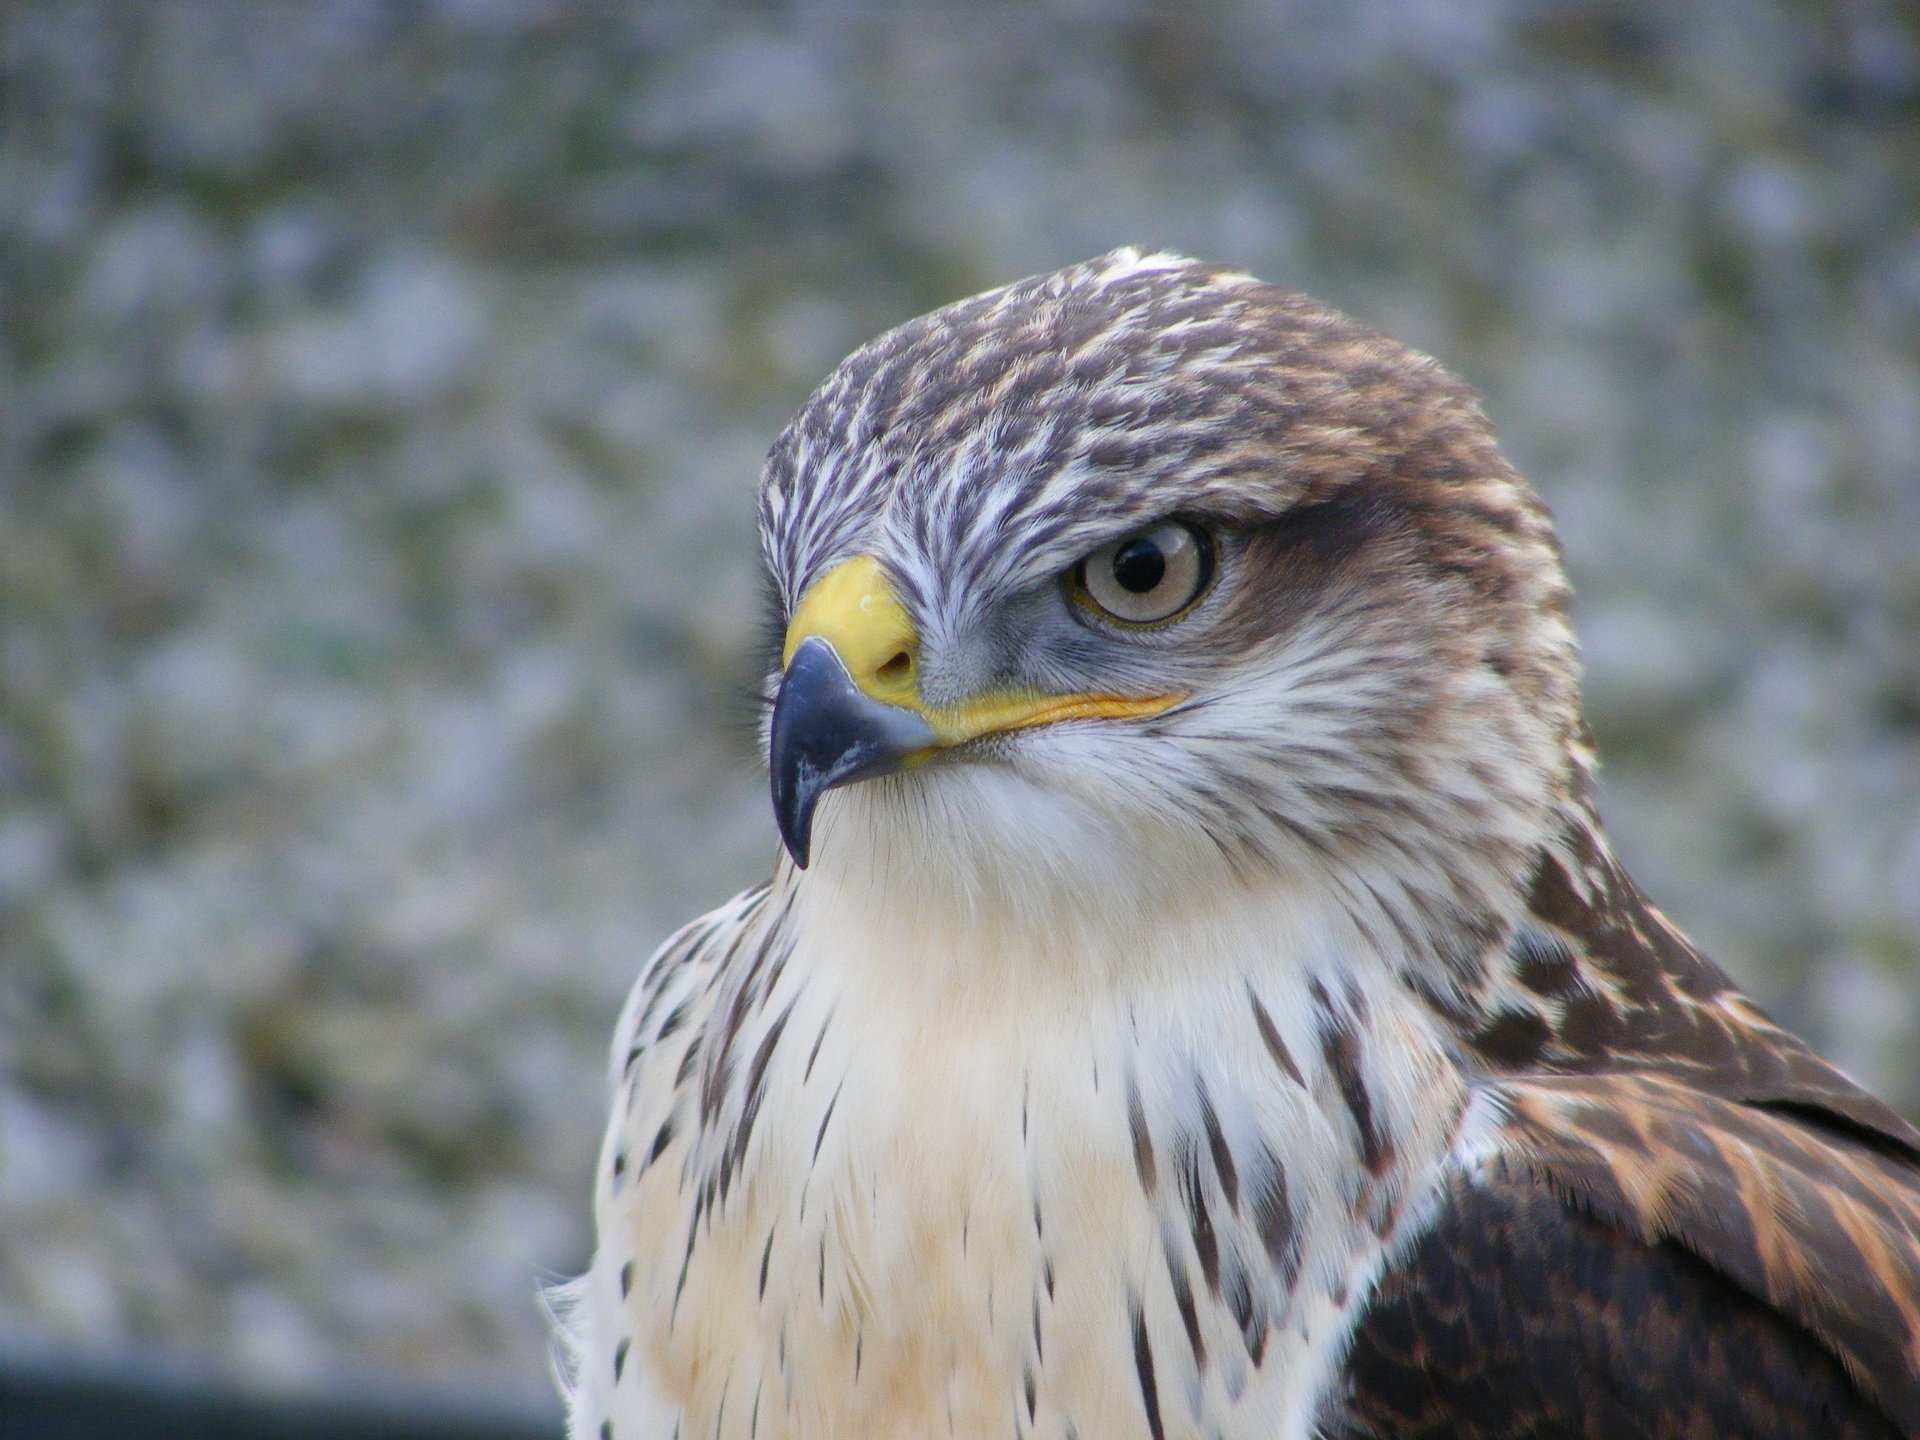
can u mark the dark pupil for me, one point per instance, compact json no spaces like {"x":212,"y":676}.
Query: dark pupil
{"x":1139,"y":565}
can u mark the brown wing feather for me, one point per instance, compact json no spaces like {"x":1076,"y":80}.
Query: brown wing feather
{"x":1518,"y":1317}
{"x":1818,"y":1224}
{"x":1624,"y":989}
{"x":1710,"y":1153}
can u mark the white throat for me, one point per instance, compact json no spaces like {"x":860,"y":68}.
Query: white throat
{"x":1188,"y":1118}
{"x":1224,"y":1090}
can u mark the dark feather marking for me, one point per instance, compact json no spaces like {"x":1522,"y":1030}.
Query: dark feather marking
{"x":1513,"y":1038}
{"x":821,"y":1133}
{"x":1143,"y":1367}
{"x":1028,"y":1378}
{"x":1142,"y":1141}
{"x":1321,"y":1001}
{"x":1251,"y":1318}
{"x":1273,"y":1214}
{"x":1276,"y":1047}
{"x":680,"y":1285}
{"x":676,"y":1017}
{"x":720,"y":1067}
{"x":1443,"y":1000}
{"x":1340,"y":1048}
{"x":814,"y":1053}
{"x":1039,"y":1348}
{"x":766,"y":1254}
{"x":662,"y":1138}
{"x":1205,"y":1244}
{"x":1189,"y":1317}
{"x":1543,"y":963}
{"x":620,"y":1357}
{"x":688,"y":1060}
{"x":756,"y":1088}
{"x":626,"y":1280}
{"x":1223,"y":1165}
{"x":657,"y":975}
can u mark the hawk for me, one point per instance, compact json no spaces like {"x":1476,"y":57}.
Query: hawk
{"x":1198,"y":998}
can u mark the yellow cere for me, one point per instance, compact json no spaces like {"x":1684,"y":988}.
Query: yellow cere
{"x":853,"y":609}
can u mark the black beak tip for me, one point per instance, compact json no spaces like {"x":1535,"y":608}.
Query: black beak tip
{"x":805,"y":734}
{"x":827,"y":733}
{"x":793,"y":804}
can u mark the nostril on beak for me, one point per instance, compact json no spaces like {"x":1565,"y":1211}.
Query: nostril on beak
{"x":898,"y":670}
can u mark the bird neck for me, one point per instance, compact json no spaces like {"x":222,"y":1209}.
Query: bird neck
{"x":945,"y":956}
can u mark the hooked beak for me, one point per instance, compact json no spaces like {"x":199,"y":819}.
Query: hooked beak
{"x":827,"y":733}
{"x":850,"y":708}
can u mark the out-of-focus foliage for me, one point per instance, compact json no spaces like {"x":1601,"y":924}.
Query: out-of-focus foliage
{"x":381,"y":398}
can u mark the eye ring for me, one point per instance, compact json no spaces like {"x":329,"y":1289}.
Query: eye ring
{"x":1150,"y":576}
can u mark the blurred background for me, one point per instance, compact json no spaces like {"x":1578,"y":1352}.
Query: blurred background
{"x":382,"y":394}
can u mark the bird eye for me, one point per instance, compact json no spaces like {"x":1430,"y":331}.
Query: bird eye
{"x":1148,"y":577}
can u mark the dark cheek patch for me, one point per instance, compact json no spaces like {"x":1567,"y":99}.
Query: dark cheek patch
{"x":1338,"y":552}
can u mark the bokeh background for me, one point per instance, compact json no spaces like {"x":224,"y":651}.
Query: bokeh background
{"x":382,"y":394}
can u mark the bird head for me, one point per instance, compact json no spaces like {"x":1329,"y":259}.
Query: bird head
{"x":1145,"y":577}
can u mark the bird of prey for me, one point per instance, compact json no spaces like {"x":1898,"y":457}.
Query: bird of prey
{"x":1198,"y":998}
